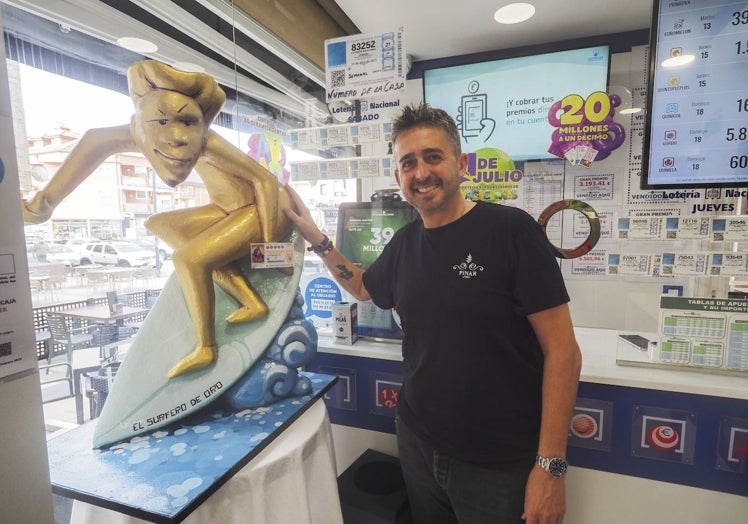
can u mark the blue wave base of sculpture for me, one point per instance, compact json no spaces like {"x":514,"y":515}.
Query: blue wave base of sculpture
{"x":276,"y":376}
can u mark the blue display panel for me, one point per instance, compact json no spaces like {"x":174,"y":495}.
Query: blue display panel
{"x":697,"y":132}
{"x":505,"y":103}
{"x":680,"y":438}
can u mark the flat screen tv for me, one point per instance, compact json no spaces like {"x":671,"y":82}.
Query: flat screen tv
{"x":505,"y":103}
{"x":697,"y":126}
{"x":364,"y":228}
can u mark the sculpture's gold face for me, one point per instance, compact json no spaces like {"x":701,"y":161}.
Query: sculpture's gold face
{"x":170,"y":131}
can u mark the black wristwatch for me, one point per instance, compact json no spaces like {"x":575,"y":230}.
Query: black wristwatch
{"x":555,"y":466}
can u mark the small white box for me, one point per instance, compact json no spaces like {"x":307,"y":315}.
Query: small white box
{"x":345,"y":322}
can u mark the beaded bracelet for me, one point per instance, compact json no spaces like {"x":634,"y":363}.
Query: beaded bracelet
{"x":323,"y":248}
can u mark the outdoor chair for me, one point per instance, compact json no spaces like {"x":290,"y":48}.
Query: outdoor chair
{"x":146,"y":275}
{"x":54,"y":283}
{"x":136,"y":300}
{"x":131,"y":299}
{"x":97,"y":280}
{"x":40,"y":291}
{"x":64,"y":338}
{"x":109,"y":337}
{"x":125,"y":279}
{"x":36,"y":286}
{"x":97,"y":386}
{"x":59,"y":384}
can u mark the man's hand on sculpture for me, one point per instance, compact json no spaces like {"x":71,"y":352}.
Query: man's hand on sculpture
{"x":302,"y":218}
{"x":38,"y":210}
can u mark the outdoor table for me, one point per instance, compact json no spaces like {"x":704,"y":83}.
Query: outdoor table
{"x":101,"y":314}
{"x":81,"y":271}
{"x":98,"y":314}
{"x":40,"y":278}
{"x":112,"y":273}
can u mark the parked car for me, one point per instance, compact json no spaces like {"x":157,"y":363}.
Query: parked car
{"x":149,"y":244}
{"x":120,"y":253}
{"x":79,"y":244}
{"x":61,"y":254}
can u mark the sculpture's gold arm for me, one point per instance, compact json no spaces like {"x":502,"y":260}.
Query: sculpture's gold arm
{"x":266,"y":193}
{"x":95,"y":146}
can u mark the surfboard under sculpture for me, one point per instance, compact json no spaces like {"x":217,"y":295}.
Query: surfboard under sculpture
{"x":143,"y":398}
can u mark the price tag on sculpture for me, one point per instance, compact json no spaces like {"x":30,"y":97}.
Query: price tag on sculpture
{"x":271,"y":254}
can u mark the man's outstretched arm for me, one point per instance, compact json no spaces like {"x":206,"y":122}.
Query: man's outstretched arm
{"x":348,"y":275}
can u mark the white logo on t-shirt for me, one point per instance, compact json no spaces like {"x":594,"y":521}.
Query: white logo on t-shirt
{"x":468,"y":268}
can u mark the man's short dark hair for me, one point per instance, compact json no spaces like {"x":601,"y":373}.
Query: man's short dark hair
{"x":425,"y":115}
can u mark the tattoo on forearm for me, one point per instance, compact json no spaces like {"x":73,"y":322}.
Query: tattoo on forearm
{"x":345,"y":273}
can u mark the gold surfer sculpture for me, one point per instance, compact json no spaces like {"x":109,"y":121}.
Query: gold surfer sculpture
{"x":171,"y":127}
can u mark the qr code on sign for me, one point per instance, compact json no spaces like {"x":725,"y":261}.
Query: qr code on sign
{"x":5,"y":349}
{"x":337,"y":78}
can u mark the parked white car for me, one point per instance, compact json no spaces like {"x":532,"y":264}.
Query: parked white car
{"x":79,"y":244}
{"x":149,"y":244}
{"x":119,"y":253}
{"x":61,"y":254}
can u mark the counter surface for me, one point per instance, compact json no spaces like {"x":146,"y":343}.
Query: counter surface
{"x":601,"y":348}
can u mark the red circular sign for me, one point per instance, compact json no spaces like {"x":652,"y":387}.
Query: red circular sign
{"x":663,"y":438}
{"x":388,"y":397}
{"x":583,"y":426}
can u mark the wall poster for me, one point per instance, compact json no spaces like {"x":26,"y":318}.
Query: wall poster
{"x":17,"y":342}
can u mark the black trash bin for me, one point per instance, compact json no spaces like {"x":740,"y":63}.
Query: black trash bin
{"x":372,"y":491}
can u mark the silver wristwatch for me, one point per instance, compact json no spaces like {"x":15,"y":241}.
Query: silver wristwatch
{"x":555,"y":466}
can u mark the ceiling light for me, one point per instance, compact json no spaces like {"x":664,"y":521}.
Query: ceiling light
{"x":514,"y":13}
{"x":679,"y":60}
{"x":137,"y":45}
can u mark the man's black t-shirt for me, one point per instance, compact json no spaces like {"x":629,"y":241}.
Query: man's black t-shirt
{"x":472,"y":364}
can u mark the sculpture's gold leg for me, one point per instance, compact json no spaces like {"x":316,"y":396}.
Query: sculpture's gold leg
{"x":232,"y":281}
{"x":202,"y":357}
{"x":247,"y":314}
{"x":207,"y":241}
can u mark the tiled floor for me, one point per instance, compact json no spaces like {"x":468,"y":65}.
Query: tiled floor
{"x":63,"y":508}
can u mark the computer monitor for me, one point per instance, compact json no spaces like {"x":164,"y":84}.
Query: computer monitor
{"x":364,"y":228}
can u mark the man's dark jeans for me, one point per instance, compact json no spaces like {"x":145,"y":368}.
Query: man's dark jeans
{"x":444,"y":490}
